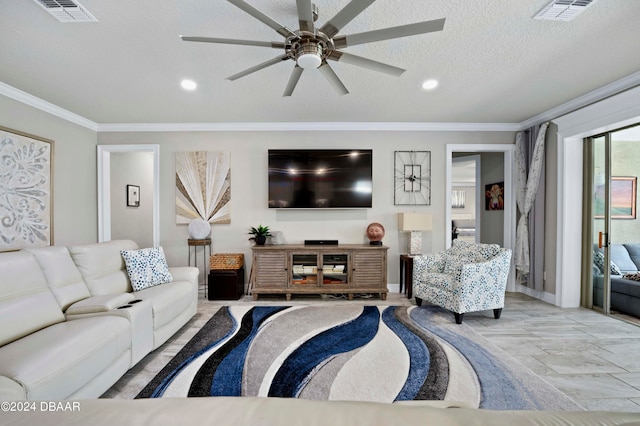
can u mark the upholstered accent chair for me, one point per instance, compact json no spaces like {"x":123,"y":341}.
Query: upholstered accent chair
{"x":467,"y":277}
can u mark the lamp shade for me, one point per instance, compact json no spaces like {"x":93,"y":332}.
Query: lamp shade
{"x":414,"y":222}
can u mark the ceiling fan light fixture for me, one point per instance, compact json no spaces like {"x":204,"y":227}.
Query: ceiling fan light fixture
{"x":309,"y":61}
{"x":309,"y":55}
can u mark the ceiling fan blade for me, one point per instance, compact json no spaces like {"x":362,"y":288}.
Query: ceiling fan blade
{"x":370,"y":64}
{"x":258,"y":67}
{"x":274,"y":44}
{"x":330,"y":75}
{"x":389,"y":33}
{"x":305,"y":15}
{"x":280,"y":29}
{"x":342,"y":18}
{"x":293,"y":80}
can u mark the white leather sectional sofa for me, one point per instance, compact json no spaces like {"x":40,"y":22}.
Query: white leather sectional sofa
{"x":70,"y":324}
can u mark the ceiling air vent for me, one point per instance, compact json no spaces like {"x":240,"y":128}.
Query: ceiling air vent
{"x":563,"y":10}
{"x":67,"y":10}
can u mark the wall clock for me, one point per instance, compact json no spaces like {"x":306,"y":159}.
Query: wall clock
{"x":412,"y":178}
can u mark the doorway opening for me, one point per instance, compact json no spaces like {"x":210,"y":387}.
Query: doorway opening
{"x":496,"y":168}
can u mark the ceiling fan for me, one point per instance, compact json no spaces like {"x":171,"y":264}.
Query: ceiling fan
{"x":311,"y":47}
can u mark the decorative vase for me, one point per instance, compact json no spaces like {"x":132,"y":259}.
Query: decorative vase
{"x":199,"y":229}
{"x":260,"y":240}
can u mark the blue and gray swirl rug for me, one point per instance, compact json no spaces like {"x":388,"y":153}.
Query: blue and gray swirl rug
{"x":370,"y":353}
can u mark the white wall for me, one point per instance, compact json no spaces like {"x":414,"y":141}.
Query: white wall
{"x":249,"y":186}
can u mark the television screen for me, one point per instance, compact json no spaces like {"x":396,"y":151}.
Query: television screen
{"x":320,"y":178}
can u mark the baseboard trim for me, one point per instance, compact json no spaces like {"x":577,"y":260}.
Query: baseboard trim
{"x":542,"y":295}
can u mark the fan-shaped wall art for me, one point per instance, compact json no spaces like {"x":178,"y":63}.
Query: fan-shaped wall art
{"x":25,"y":190}
{"x":203,"y":186}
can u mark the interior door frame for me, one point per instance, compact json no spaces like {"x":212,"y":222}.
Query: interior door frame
{"x":104,"y":187}
{"x":509,"y":230}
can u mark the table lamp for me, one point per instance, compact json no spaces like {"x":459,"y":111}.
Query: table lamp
{"x":415,"y":223}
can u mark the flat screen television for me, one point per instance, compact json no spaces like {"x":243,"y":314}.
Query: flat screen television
{"x":320,"y":178}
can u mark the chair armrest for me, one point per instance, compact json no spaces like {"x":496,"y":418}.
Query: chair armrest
{"x":491,"y":273}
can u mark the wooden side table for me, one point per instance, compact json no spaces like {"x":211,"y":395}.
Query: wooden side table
{"x":406,"y":275}
{"x":204,"y":243}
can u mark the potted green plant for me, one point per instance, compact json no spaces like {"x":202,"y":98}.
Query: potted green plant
{"x":260,"y":234}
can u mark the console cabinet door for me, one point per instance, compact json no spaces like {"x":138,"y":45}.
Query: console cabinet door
{"x":271,"y":269}
{"x":369,"y":269}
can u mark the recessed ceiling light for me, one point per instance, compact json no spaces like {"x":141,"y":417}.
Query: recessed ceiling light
{"x":430,"y":84}
{"x":188,"y":84}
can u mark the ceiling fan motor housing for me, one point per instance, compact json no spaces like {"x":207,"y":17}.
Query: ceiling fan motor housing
{"x":309,"y":50}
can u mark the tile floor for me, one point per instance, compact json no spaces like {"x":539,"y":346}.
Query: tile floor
{"x":592,"y":358}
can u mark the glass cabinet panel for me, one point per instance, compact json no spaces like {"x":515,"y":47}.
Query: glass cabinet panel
{"x":305,"y":269}
{"x":334,"y":269}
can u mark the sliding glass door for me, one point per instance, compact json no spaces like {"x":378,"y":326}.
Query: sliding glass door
{"x":611,"y":169}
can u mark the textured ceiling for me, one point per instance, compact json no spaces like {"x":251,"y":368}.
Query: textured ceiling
{"x":495,"y":64}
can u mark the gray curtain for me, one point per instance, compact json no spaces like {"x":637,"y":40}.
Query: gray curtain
{"x":534,"y":278}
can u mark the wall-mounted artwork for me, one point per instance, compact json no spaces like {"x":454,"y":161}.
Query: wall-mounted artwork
{"x":133,"y":196}
{"x":203,"y":186}
{"x":494,"y":196}
{"x":457,"y":198}
{"x":26,"y":200}
{"x":623,"y":198}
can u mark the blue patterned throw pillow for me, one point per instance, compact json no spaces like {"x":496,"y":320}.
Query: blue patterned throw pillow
{"x":146,"y":267}
{"x":598,"y":260}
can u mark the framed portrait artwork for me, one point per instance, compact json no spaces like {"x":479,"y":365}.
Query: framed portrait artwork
{"x":26,"y":190}
{"x":494,"y":196}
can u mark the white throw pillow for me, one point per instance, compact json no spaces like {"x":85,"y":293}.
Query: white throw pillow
{"x":146,"y":267}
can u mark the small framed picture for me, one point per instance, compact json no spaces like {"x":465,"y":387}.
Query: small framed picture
{"x":494,"y":196}
{"x":133,"y":196}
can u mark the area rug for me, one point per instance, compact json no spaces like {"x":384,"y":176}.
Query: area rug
{"x":366,"y":353}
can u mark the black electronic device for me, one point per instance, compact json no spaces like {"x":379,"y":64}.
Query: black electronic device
{"x":320,"y":242}
{"x":320,"y":178}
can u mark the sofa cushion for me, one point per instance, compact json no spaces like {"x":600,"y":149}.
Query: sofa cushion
{"x":26,"y":303}
{"x":57,"y":361}
{"x":626,"y":286}
{"x":620,"y":256}
{"x":63,"y":277}
{"x":634,"y":253}
{"x":167,"y":301}
{"x":102,"y":266}
{"x":146,"y":267}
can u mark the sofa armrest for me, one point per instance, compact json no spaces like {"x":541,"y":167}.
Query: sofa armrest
{"x":99,"y":303}
{"x":10,"y":390}
{"x":185,"y":273}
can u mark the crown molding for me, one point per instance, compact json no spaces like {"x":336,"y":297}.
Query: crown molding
{"x":27,"y":99}
{"x":611,"y":89}
{"x":309,"y":126}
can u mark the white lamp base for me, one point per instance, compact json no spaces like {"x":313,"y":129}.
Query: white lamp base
{"x":415,"y":242}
